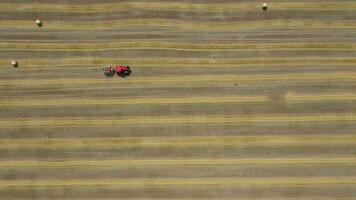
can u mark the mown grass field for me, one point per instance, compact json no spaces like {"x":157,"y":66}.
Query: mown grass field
{"x":226,"y":101}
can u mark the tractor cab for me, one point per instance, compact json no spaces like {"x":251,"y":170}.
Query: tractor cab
{"x":122,"y":71}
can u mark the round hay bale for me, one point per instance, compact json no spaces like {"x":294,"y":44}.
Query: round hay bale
{"x":264,"y":6}
{"x":14,"y":63}
{"x":39,"y":23}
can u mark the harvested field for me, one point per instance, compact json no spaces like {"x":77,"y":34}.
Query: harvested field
{"x":225,"y":101}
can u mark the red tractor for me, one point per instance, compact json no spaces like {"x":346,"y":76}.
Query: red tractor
{"x":120,"y":70}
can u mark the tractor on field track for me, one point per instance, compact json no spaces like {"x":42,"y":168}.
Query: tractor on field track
{"x":120,"y":70}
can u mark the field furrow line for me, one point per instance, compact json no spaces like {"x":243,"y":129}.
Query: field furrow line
{"x":289,"y":98}
{"x":181,"y":141}
{"x":99,"y":46}
{"x":189,"y":79}
{"x":173,"y":162}
{"x":82,"y":61}
{"x":173,"y":6}
{"x":145,"y":182}
{"x":183,"y":25}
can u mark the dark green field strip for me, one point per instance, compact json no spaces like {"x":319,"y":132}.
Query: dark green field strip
{"x":276,"y":91}
{"x":95,"y":71}
{"x":187,"y":83}
{"x":207,"y":62}
{"x":190,"y":164}
{"x":198,"y":46}
{"x":325,"y":192}
{"x":244,"y":141}
{"x":190,"y":79}
{"x":95,"y":2}
{"x":185,"y":25}
{"x":194,"y":152}
{"x":138,"y":34}
{"x":183,"y":54}
{"x":43,"y":36}
{"x":177,"y":46}
{"x":177,"y":6}
{"x":170,"y":182}
{"x":188,"y":15}
{"x":288,"y":98}
{"x":233,"y":88}
{"x":156,"y":50}
{"x":115,"y":108}
{"x":328,"y":128}
{"x":167,"y":120}
{"x":334,"y":168}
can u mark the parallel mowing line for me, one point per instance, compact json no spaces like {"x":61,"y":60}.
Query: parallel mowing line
{"x":172,"y":49}
{"x":250,"y":198}
{"x":172,"y":6}
{"x":136,"y":101}
{"x":254,"y":198}
{"x":197,"y":66}
{"x":145,"y":182}
{"x":180,"y":24}
{"x":181,"y":142}
{"x":295,"y":98}
{"x":289,"y":98}
{"x":70,"y":62}
{"x":174,"y":120}
{"x":191,"y":79}
{"x":173,"y":46}
{"x":118,"y":163}
{"x":246,"y":198}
